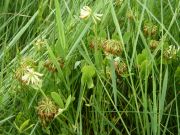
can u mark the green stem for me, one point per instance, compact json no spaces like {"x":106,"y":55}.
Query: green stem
{"x":42,"y":92}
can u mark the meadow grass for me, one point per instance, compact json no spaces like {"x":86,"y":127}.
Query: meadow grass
{"x":114,"y":71}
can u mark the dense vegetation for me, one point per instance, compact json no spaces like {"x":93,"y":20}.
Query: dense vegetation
{"x":100,"y":67}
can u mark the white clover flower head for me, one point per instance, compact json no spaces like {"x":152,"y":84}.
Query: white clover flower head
{"x":31,"y":77}
{"x":97,"y":17}
{"x":85,"y":12}
{"x":172,"y":51}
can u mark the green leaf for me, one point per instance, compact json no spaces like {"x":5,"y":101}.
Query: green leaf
{"x":144,"y":63}
{"x":142,"y":57}
{"x":57,"y":99}
{"x":83,"y":79}
{"x":18,"y":116}
{"x":23,"y":125}
{"x":177,"y":75}
{"x":90,"y":83}
{"x":103,"y":34}
{"x":89,"y":70}
{"x":177,"y":72}
{"x":87,"y":73}
{"x":115,"y":36}
{"x":68,"y":101}
{"x":145,"y":68}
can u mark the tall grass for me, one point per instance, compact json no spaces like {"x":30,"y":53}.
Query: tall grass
{"x":120,"y":75}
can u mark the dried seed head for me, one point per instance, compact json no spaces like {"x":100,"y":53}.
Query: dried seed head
{"x":154,"y":30}
{"x":51,"y":67}
{"x":95,"y":43}
{"x":46,"y":111}
{"x":112,"y":47}
{"x":146,"y":30}
{"x":153,"y":44}
{"x":120,"y":67}
{"x":149,"y":29}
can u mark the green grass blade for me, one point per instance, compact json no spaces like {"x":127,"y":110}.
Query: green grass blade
{"x":60,"y":26}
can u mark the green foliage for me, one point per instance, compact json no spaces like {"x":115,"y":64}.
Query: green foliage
{"x":23,"y":125}
{"x":57,"y":99}
{"x":87,"y":76}
{"x":177,"y":75}
{"x":144,"y":63}
{"x":128,"y":57}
